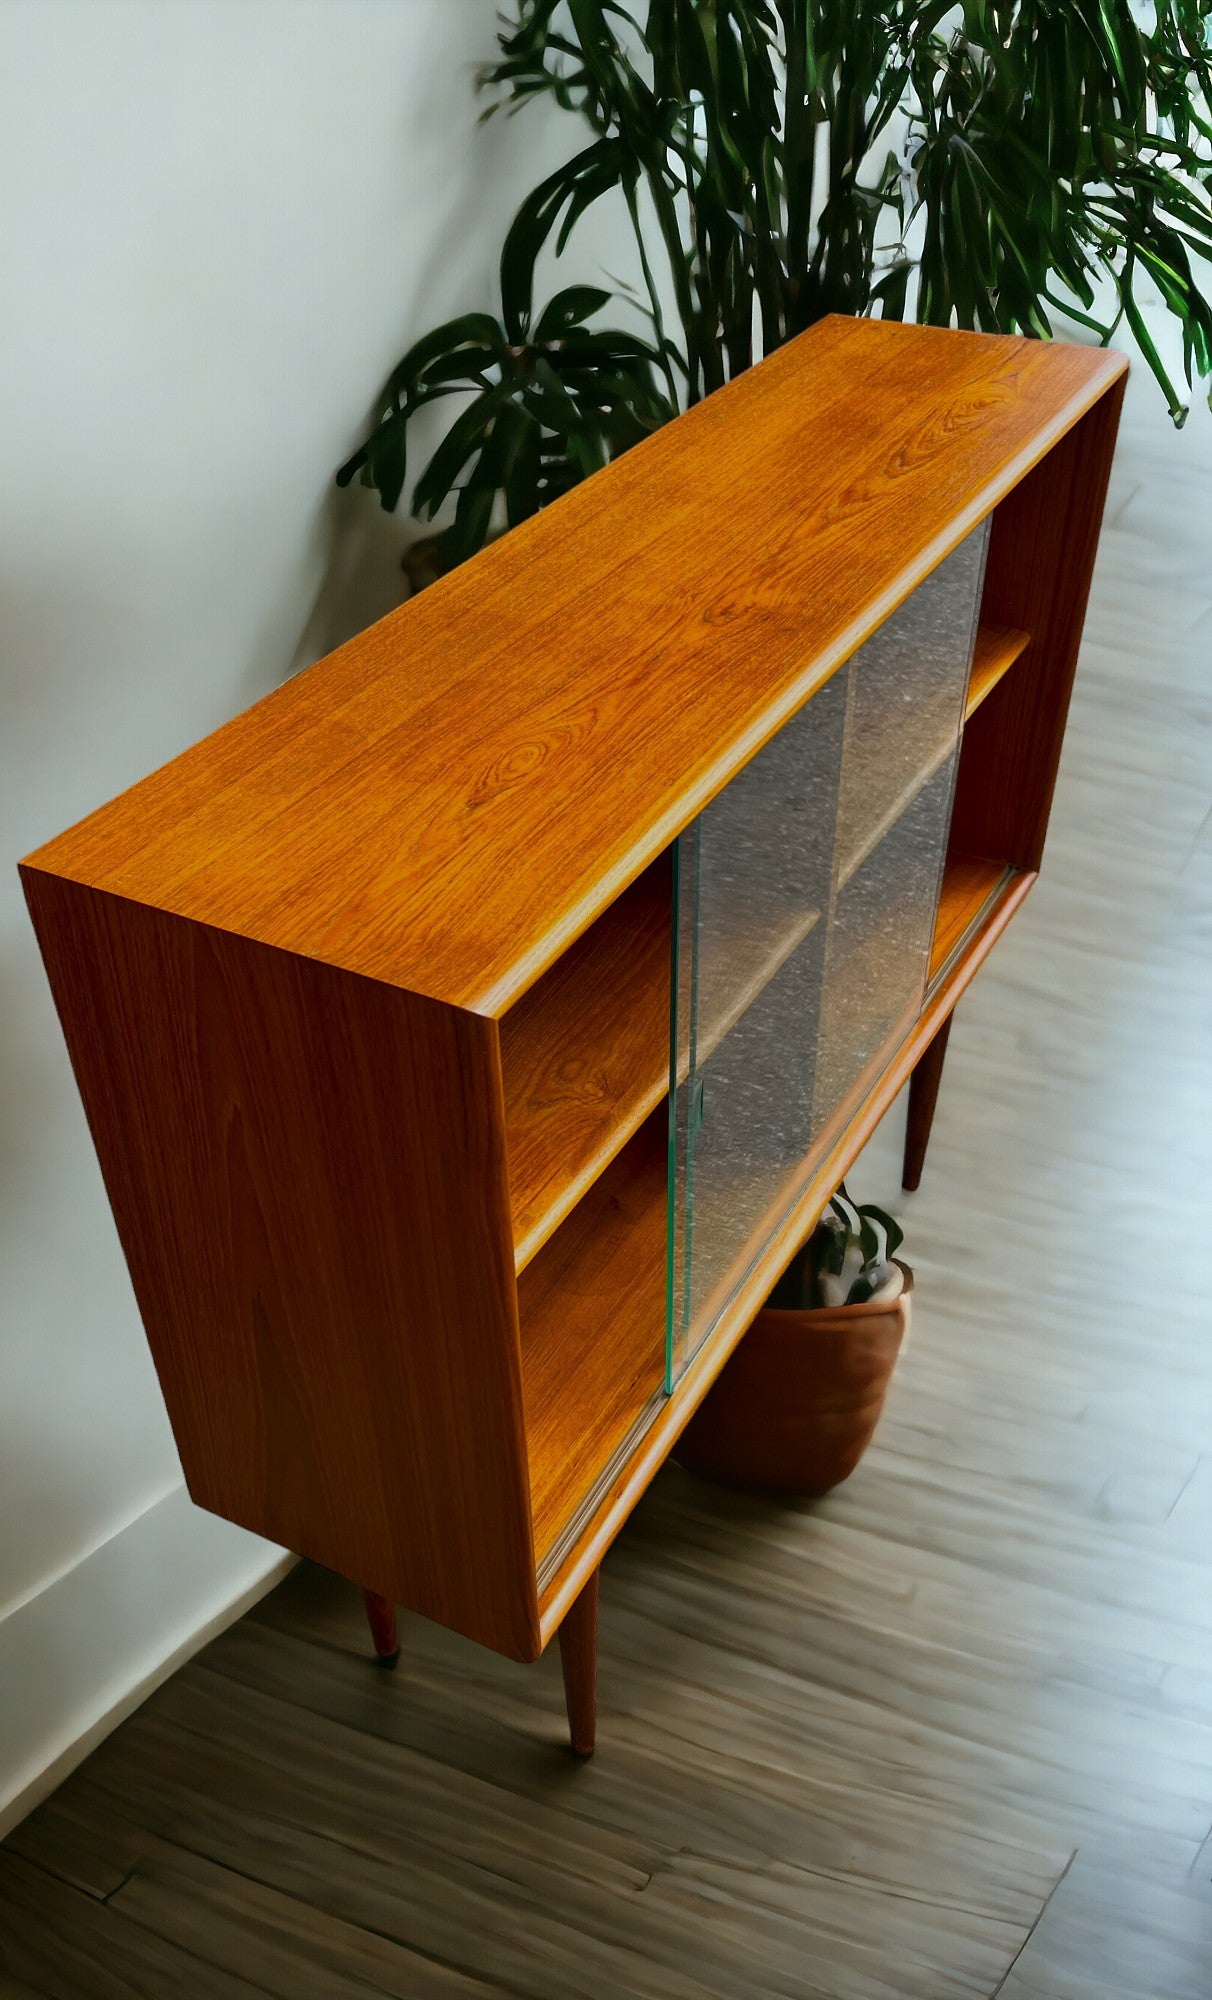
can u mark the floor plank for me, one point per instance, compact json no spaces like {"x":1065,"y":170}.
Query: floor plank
{"x":64,"y":1944}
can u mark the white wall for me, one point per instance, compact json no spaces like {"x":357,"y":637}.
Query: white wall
{"x":222,"y":222}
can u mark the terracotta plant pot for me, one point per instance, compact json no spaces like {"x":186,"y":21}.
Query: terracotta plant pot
{"x":795,"y":1408}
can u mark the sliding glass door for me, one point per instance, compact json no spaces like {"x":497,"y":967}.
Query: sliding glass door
{"x":805,"y":901}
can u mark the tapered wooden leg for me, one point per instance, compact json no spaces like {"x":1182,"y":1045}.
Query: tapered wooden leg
{"x":923,"y":1096}
{"x":382,"y":1615}
{"x":579,"y":1659}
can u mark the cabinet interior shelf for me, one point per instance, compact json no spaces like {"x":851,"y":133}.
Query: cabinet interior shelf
{"x":997,"y":648}
{"x":585,"y":1058}
{"x":895,"y":810}
{"x":585,"y":1054}
{"x":971,"y":888}
{"x":592,"y":1313}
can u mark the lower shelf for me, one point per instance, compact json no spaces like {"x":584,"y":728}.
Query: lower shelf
{"x":592,"y":1311}
{"x":585,"y":1053}
{"x":585,"y":1058}
{"x":971,"y":889}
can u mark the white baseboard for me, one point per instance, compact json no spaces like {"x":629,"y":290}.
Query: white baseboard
{"x":79,"y":1656}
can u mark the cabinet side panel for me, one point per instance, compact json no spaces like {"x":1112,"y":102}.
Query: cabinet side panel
{"x":1041,"y":558}
{"x":307,"y":1171}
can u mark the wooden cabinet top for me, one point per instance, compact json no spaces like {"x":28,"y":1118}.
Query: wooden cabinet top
{"x":448,"y":800}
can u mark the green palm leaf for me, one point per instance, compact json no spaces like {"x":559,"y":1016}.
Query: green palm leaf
{"x":984,"y":164}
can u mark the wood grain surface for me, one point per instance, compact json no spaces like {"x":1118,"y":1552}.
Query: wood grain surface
{"x":290,"y":1155}
{"x":585,"y":1057}
{"x":1042,"y":547}
{"x":579,"y":1661}
{"x":997,"y":648}
{"x":923,"y":1098}
{"x":968,"y":887}
{"x":585,"y":1053}
{"x":446,"y":802}
{"x":942,"y":1736}
{"x":592,"y":1313}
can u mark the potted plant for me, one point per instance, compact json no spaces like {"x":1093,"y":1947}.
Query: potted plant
{"x":795,"y":1408}
{"x":987,"y":164}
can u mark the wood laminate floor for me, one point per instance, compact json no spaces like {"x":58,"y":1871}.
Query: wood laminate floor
{"x":948,"y":1733}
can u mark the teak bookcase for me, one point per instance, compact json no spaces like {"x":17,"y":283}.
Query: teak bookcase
{"x":470,"y":1031}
